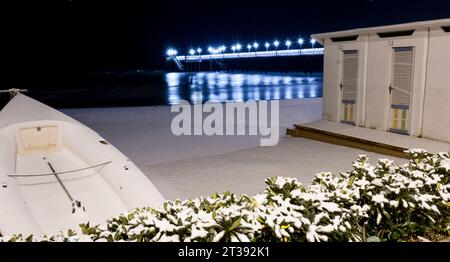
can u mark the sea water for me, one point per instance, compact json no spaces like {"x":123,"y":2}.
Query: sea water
{"x":167,"y":88}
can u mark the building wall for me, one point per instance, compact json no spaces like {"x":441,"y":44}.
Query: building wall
{"x":331,"y":71}
{"x":333,"y":77}
{"x":379,"y":79}
{"x":436,"y":120}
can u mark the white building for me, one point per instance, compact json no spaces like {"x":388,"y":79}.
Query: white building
{"x":393,"y":78}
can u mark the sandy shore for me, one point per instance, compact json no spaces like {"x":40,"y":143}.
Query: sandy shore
{"x":188,"y":166}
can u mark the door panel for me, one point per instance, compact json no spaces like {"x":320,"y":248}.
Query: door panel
{"x":401,"y":89}
{"x":349,"y":86}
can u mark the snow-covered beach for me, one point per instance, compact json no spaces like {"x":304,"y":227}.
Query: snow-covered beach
{"x":144,"y":133}
{"x":189,"y":166}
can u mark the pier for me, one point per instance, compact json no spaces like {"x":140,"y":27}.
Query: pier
{"x":220,"y":54}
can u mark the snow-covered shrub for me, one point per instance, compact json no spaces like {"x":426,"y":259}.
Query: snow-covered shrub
{"x":385,"y":202}
{"x":400,"y":201}
{"x":293,"y":213}
{"x":218,"y":218}
{"x":394,"y":202}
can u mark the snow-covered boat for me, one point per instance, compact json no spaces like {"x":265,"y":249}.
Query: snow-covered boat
{"x":56,"y":173}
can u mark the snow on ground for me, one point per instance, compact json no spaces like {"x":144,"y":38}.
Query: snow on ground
{"x":144,"y":133}
{"x":187,"y":166}
{"x":244,"y":171}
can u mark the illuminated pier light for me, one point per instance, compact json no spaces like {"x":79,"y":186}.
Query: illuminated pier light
{"x":172,"y":52}
{"x":288,"y":44}
{"x":255,"y":45}
{"x":276,"y":44}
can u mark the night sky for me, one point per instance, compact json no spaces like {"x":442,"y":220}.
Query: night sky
{"x":60,"y":37}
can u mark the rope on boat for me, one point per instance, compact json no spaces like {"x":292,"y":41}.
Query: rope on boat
{"x":13,"y":92}
{"x":65,"y":172}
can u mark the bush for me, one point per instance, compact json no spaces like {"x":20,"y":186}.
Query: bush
{"x":385,"y":202}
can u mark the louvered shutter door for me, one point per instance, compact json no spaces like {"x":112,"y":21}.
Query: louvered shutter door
{"x":350,"y":72}
{"x":401,"y":87}
{"x":402,"y":76}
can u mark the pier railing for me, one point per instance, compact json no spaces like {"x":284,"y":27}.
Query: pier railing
{"x":242,"y":55}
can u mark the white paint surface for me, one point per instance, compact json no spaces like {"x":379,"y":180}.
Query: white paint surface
{"x":39,"y":204}
{"x":429,"y":113}
{"x":436,"y":120}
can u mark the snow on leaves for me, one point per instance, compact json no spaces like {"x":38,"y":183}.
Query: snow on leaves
{"x":382,"y":202}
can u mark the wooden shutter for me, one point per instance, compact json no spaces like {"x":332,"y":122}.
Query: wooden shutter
{"x":402,"y":76}
{"x":401,"y":88}
{"x":350,"y":76}
{"x":349,"y":85}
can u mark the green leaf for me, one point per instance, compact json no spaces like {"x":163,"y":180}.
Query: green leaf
{"x":29,"y":239}
{"x":92,"y":231}
{"x":261,"y":220}
{"x":374,"y":239}
{"x":352,"y":180}
{"x":71,"y":233}
{"x":85,"y":228}
{"x":235,"y":224}
{"x":218,"y":206}
{"x":117,"y":236}
{"x":413,"y":226}
{"x":215,"y":196}
{"x":386,"y":214}
{"x":395,"y":235}
{"x":123,"y":220}
{"x":254,"y":202}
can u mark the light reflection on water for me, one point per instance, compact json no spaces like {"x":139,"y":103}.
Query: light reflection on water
{"x":222,"y":87}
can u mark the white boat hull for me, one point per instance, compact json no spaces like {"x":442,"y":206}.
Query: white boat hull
{"x":39,"y":205}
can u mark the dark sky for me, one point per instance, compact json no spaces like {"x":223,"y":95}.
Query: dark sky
{"x":83,"y":36}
